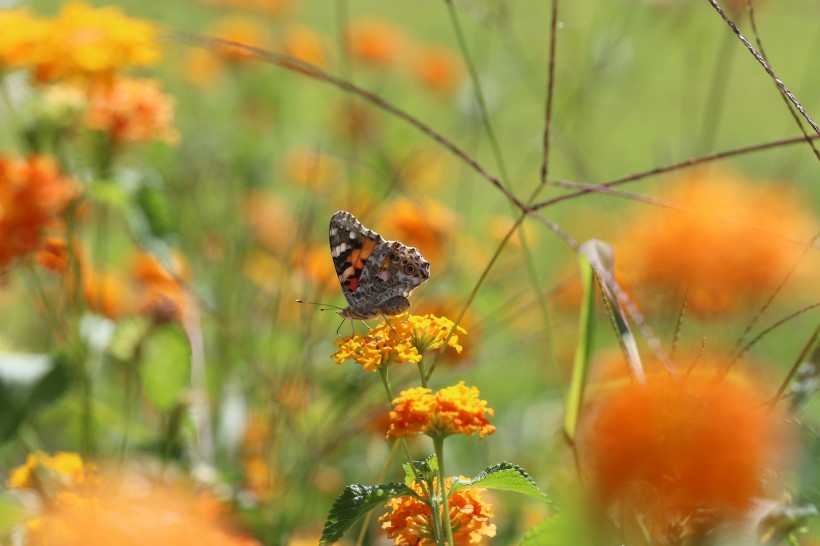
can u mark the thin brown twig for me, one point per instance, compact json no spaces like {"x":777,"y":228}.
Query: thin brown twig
{"x":694,"y":162}
{"x":766,"y":67}
{"x":550,"y":95}
{"x":312,"y":71}
{"x":753,"y":22}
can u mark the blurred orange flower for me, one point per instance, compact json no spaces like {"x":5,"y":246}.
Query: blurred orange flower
{"x":163,"y":294}
{"x":21,"y":38}
{"x":312,"y":168}
{"x":93,"y":43}
{"x":53,"y":254}
{"x":108,"y":294}
{"x":269,"y":7}
{"x":375,"y":42}
{"x":304,"y":44}
{"x":270,"y":219}
{"x":713,"y":250}
{"x":33,"y":195}
{"x":427,"y":225}
{"x":133,"y":510}
{"x":409,"y":520}
{"x":131,"y":110}
{"x":675,"y":448}
{"x":451,"y":410}
{"x":241,"y":30}
{"x":438,"y":68}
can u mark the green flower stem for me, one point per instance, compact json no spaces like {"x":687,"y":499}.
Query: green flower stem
{"x":405,"y":447}
{"x":420,"y":366}
{"x":438,"y":443}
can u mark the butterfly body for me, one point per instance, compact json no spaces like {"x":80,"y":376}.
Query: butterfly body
{"x":377,"y":276}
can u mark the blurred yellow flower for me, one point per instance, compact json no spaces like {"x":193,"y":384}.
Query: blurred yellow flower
{"x":452,"y":410}
{"x":304,"y":44}
{"x":312,"y":168}
{"x":409,"y":520}
{"x":21,"y":38}
{"x":242,"y":30}
{"x":131,"y":110}
{"x":93,"y":43}
{"x":728,"y":249}
{"x":68,"y":468}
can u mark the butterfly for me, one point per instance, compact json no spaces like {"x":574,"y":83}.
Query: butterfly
{"x":377,"y":276}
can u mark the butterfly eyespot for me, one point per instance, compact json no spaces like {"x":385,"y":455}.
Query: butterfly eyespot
{"x":404,"y":262}
{"x":409,"y":269}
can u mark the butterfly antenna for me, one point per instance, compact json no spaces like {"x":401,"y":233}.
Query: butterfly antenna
{"x":388,"y":322}
{"x":323,"y":306}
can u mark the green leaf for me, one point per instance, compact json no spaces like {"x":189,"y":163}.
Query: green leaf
{"x":580,"y":367}
{"x":128,"y":337}
{"x":354,"y":502}
{"x":505,"y":477}
{"x":165,"y":366}
{"x":426,"y":469}
{"x":156,"y":211}
{"x":11,"y":514}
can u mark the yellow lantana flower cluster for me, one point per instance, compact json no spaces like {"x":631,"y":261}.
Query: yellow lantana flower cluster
{"x":405,"y":338}
{"x":410,"y":520}
{"x":81,"y":42}
{"x":452,"y":410}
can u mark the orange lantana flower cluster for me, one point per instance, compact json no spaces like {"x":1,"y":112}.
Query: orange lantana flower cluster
{"x":33,"y":195}
{"x":410,"y":519}
{"x":131,"y":110}
{"x":404,"y":338}
{"x":678,"y":447}
{"x":452,"y":410}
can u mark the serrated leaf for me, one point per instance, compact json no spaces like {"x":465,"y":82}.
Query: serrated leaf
{"x":354,"y":502}
{"x":504,"y":477}
{"x":165,"y":366}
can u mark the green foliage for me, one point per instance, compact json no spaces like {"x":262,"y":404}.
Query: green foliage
{"x":28,"y":384}
{"x":165,"y":366}
{"x":354,"y":502}
{"x":504,"y":477}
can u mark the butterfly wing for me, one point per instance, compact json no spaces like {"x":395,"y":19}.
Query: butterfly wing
{"x":351,"y":246}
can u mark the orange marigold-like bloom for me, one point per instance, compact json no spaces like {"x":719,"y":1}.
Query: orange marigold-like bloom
{"x":438,"y":68}
{"x":20,"y":38}
{"x":54,"y":255}
{"x":93,"y":43}
{"x":728,"y":249}
{"x":405,"y":338}
{"x":132,"y":110}
{"x":427,"y":225}
{"x":375,"y":42}
{"x":33,"y":194}
{"x":452,"y":410}
{"x":409,"y":521}
{"x":674,"y":448}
